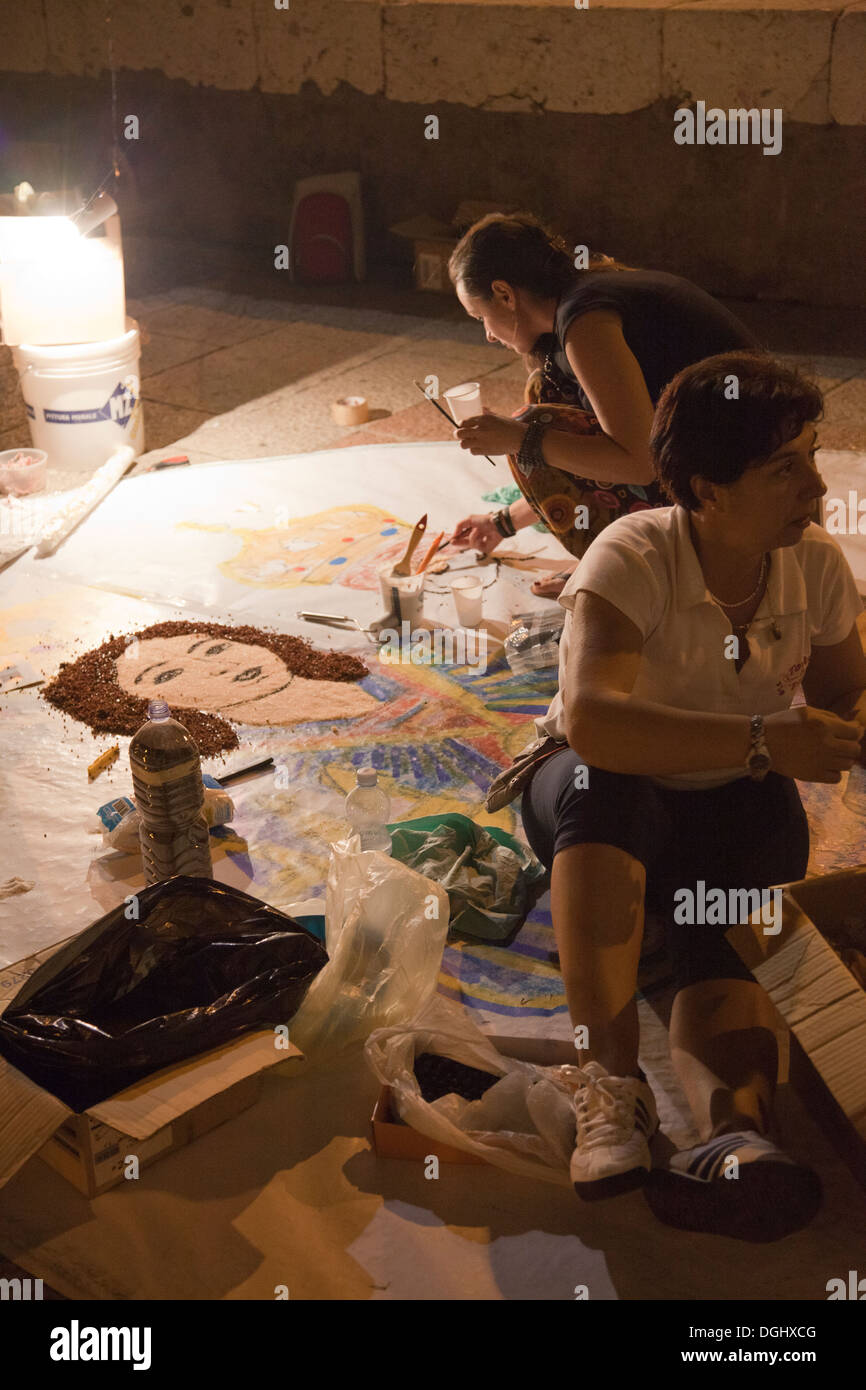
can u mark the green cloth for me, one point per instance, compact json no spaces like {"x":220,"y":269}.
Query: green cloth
{"x":507,"y":494}
{"x":491,"y":879}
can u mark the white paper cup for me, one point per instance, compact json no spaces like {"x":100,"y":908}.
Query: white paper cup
{"x":403,"y":596}
{"x":467,"y":594}
{"x":464,"y":401}
{"x":21,"y":479}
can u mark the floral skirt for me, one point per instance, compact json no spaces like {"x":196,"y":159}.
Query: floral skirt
{"x":575,"y":509}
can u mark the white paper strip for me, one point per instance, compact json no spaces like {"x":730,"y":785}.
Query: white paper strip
{"x":84,"y":501}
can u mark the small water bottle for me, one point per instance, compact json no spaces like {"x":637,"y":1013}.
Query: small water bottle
{"x":367,"y":810}
{"x":855,"y":792}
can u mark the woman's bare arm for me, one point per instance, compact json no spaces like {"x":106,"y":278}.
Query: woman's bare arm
{"x":610,"y":375}
{"x":836,"y":679}
{"x":611,"y":730}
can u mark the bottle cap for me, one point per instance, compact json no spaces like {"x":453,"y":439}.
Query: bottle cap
{"x":157,"y":710}
{"x":367,"y":777}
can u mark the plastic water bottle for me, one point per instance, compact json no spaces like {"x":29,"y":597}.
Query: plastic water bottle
{"x":367,"y":810}
{"x":169,"y":797}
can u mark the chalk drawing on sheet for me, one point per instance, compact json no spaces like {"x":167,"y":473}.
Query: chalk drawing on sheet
{"x":517,"y":981}
{"x":434,"y":744}
{"x":343,"y":546}
{"x":437,"y":746}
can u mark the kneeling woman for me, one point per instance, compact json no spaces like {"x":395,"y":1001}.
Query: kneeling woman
{"x":688,"y":631}
{"x":607,"y":339}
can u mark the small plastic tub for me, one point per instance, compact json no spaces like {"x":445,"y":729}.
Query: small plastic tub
{"x":23,"y":471}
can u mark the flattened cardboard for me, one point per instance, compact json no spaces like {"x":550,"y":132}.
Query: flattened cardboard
{"x":142,"y":1109}
{"x":812,"y":989}
{"x":30,"y":1116}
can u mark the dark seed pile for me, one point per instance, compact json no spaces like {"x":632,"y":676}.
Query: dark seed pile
{"x":440,"y":1076}
{"x":88,"y":688}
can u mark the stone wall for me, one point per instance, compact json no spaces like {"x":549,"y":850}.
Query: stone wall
{"x":566,"y":111}
{"x":14,"y":429}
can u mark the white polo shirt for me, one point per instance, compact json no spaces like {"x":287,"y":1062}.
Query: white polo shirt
{"x":646,"y":565}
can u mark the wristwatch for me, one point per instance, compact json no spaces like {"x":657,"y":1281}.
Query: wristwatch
{"x":758,"y":761}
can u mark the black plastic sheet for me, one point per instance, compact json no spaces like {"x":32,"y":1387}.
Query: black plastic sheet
{"x":200,"y":965}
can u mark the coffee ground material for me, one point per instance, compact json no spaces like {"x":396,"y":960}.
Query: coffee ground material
{"x":88,"y":688}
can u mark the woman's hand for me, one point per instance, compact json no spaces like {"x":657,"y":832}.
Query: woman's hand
{"x":812,"y":744}
{"x":476,"y":532}
{"x":490,"y":434}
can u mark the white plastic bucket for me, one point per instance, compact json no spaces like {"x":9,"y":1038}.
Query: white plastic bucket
{"x":83,"y":399}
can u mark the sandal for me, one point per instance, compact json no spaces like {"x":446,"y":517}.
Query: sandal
{"x":553,"y":585}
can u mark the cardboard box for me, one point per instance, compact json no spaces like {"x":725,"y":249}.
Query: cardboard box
{"x":432,"y":244}
{"x":433,"y":241}
{"x":394,"y":1139}
{"x":148,"y":1120}
{"x":821,"y":1002}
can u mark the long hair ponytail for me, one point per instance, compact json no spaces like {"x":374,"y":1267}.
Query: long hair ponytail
{"x":520,"y":250}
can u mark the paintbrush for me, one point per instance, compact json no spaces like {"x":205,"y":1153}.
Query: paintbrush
{"x":404,"y":567}
{"x":430,"y":553}
{"x":441,"y":411}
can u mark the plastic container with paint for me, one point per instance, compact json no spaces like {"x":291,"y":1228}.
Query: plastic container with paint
{"x":22,"y":472}
{"x":402,"y":595}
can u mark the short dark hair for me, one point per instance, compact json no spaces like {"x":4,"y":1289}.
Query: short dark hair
{"x":722,"y":416}
{"x":520,"y":250}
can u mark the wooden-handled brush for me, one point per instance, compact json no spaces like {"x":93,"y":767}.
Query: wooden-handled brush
{"x":404,"y":566}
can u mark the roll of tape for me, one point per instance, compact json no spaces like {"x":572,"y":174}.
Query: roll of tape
{"x":350,"y":410}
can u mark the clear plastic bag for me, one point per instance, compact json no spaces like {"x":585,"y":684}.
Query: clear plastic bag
{"x":385,"y":930}
{"x":533,"y":642}
{"x":525,"y":1122}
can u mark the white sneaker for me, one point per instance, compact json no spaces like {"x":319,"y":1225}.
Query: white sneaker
{"x":616,"y":1118}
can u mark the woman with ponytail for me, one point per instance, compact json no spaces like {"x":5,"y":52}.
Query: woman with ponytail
{"x":603,"y":340}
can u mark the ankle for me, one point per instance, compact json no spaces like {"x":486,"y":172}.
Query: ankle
{"x":613,"y":1064}
{"x":736,"y":1124}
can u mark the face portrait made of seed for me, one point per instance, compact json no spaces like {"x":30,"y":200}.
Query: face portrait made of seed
{"x":213,"y":676}
{"x":243,"y":681}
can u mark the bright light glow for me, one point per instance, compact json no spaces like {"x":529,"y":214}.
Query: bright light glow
{"x":57,"y":286}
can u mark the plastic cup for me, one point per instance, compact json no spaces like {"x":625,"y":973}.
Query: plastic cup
{"x":23,"y":471}
{"x":467,"y":594}
{"x":402,"y":595}
{"x":464,"y":401}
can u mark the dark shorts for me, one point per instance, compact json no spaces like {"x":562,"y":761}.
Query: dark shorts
{"x":746,"y":835}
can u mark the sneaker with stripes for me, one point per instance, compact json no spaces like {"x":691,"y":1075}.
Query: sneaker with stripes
{"x":616,"y":1117}
{"x":764,"y":1196}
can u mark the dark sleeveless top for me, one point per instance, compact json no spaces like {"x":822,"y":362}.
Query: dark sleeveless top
{"x":668,"y":323}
